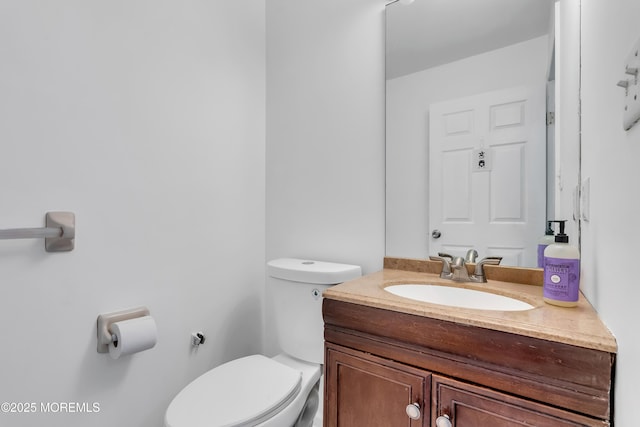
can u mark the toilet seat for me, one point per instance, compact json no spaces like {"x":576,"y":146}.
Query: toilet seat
{"x":240,"y":393}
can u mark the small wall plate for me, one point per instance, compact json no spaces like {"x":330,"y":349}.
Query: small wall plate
{"x":66,"y":221}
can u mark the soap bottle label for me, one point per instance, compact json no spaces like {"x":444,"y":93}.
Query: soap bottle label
{"x":561,"y":279}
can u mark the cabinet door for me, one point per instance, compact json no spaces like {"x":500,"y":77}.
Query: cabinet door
{"x":467,"y":405}
{"x":363,"y":391}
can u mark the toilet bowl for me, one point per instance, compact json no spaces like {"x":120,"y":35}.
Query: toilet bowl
{"x":282,"y":391}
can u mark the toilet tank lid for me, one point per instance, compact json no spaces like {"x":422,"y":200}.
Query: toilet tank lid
{"x":310,"y":271}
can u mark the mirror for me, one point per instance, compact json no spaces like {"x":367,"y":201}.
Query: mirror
{"x":469,"y":154}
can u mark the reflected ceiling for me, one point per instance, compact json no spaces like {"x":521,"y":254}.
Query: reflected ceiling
{"x":427,"y":33}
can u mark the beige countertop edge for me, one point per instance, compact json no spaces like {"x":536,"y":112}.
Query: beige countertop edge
{"x":579,"y":326}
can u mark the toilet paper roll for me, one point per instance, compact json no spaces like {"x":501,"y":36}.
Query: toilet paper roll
{"x":133,"y":336}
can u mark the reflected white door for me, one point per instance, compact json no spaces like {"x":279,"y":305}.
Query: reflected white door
{"x":487,"y":178}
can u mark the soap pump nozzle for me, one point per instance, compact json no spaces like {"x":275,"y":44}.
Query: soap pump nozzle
{"x":561,"y":237}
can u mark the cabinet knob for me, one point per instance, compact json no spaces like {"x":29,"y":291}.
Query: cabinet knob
{"x":413,"y":411}
{"x":443,"y":421}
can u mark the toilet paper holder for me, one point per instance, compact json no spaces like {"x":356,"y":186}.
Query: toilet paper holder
{"x":105,"y":321}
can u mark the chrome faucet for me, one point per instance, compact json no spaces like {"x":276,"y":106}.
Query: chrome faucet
{"x":455,"y":268}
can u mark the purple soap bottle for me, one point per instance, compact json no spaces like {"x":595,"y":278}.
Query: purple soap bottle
{"x":561,"y":271}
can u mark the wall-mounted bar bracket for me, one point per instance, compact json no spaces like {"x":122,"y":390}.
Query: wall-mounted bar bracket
{"x":106,"y":320}
{"x":66,"y":222}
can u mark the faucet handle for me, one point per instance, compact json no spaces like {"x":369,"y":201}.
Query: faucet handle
{"x":490,"y":260}
{"x":445,"y":255}
{"x":446,"y":263}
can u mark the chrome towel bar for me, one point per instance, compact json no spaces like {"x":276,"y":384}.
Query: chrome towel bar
{"x":58,"y":234}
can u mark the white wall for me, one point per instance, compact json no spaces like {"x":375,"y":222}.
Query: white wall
{"x":610,"y":159}
{"x":146,"y":119}
{"x":407,"y":132}
{"x":567,"y":114}
{"x":325,"y":131}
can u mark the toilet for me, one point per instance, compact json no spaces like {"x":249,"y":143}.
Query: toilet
{"x":282,"y":391}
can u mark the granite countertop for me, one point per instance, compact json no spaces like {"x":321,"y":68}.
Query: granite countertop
{"x":579,"y":326}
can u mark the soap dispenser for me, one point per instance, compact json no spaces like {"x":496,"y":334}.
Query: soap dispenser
{"x":546,"y":240}
{"x":561,"y":271}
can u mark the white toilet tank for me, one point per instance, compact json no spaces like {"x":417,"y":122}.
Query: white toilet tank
{"x":295,"y":289}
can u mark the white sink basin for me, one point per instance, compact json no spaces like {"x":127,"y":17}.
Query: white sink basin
{"x":457,"y":297}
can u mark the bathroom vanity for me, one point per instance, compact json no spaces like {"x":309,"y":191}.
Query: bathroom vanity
{"x":393,"y":361}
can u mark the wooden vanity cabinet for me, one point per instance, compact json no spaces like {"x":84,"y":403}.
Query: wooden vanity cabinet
{"x":472,"y":406}
{"x":379,"y":361}
{"x":364,"y":391}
